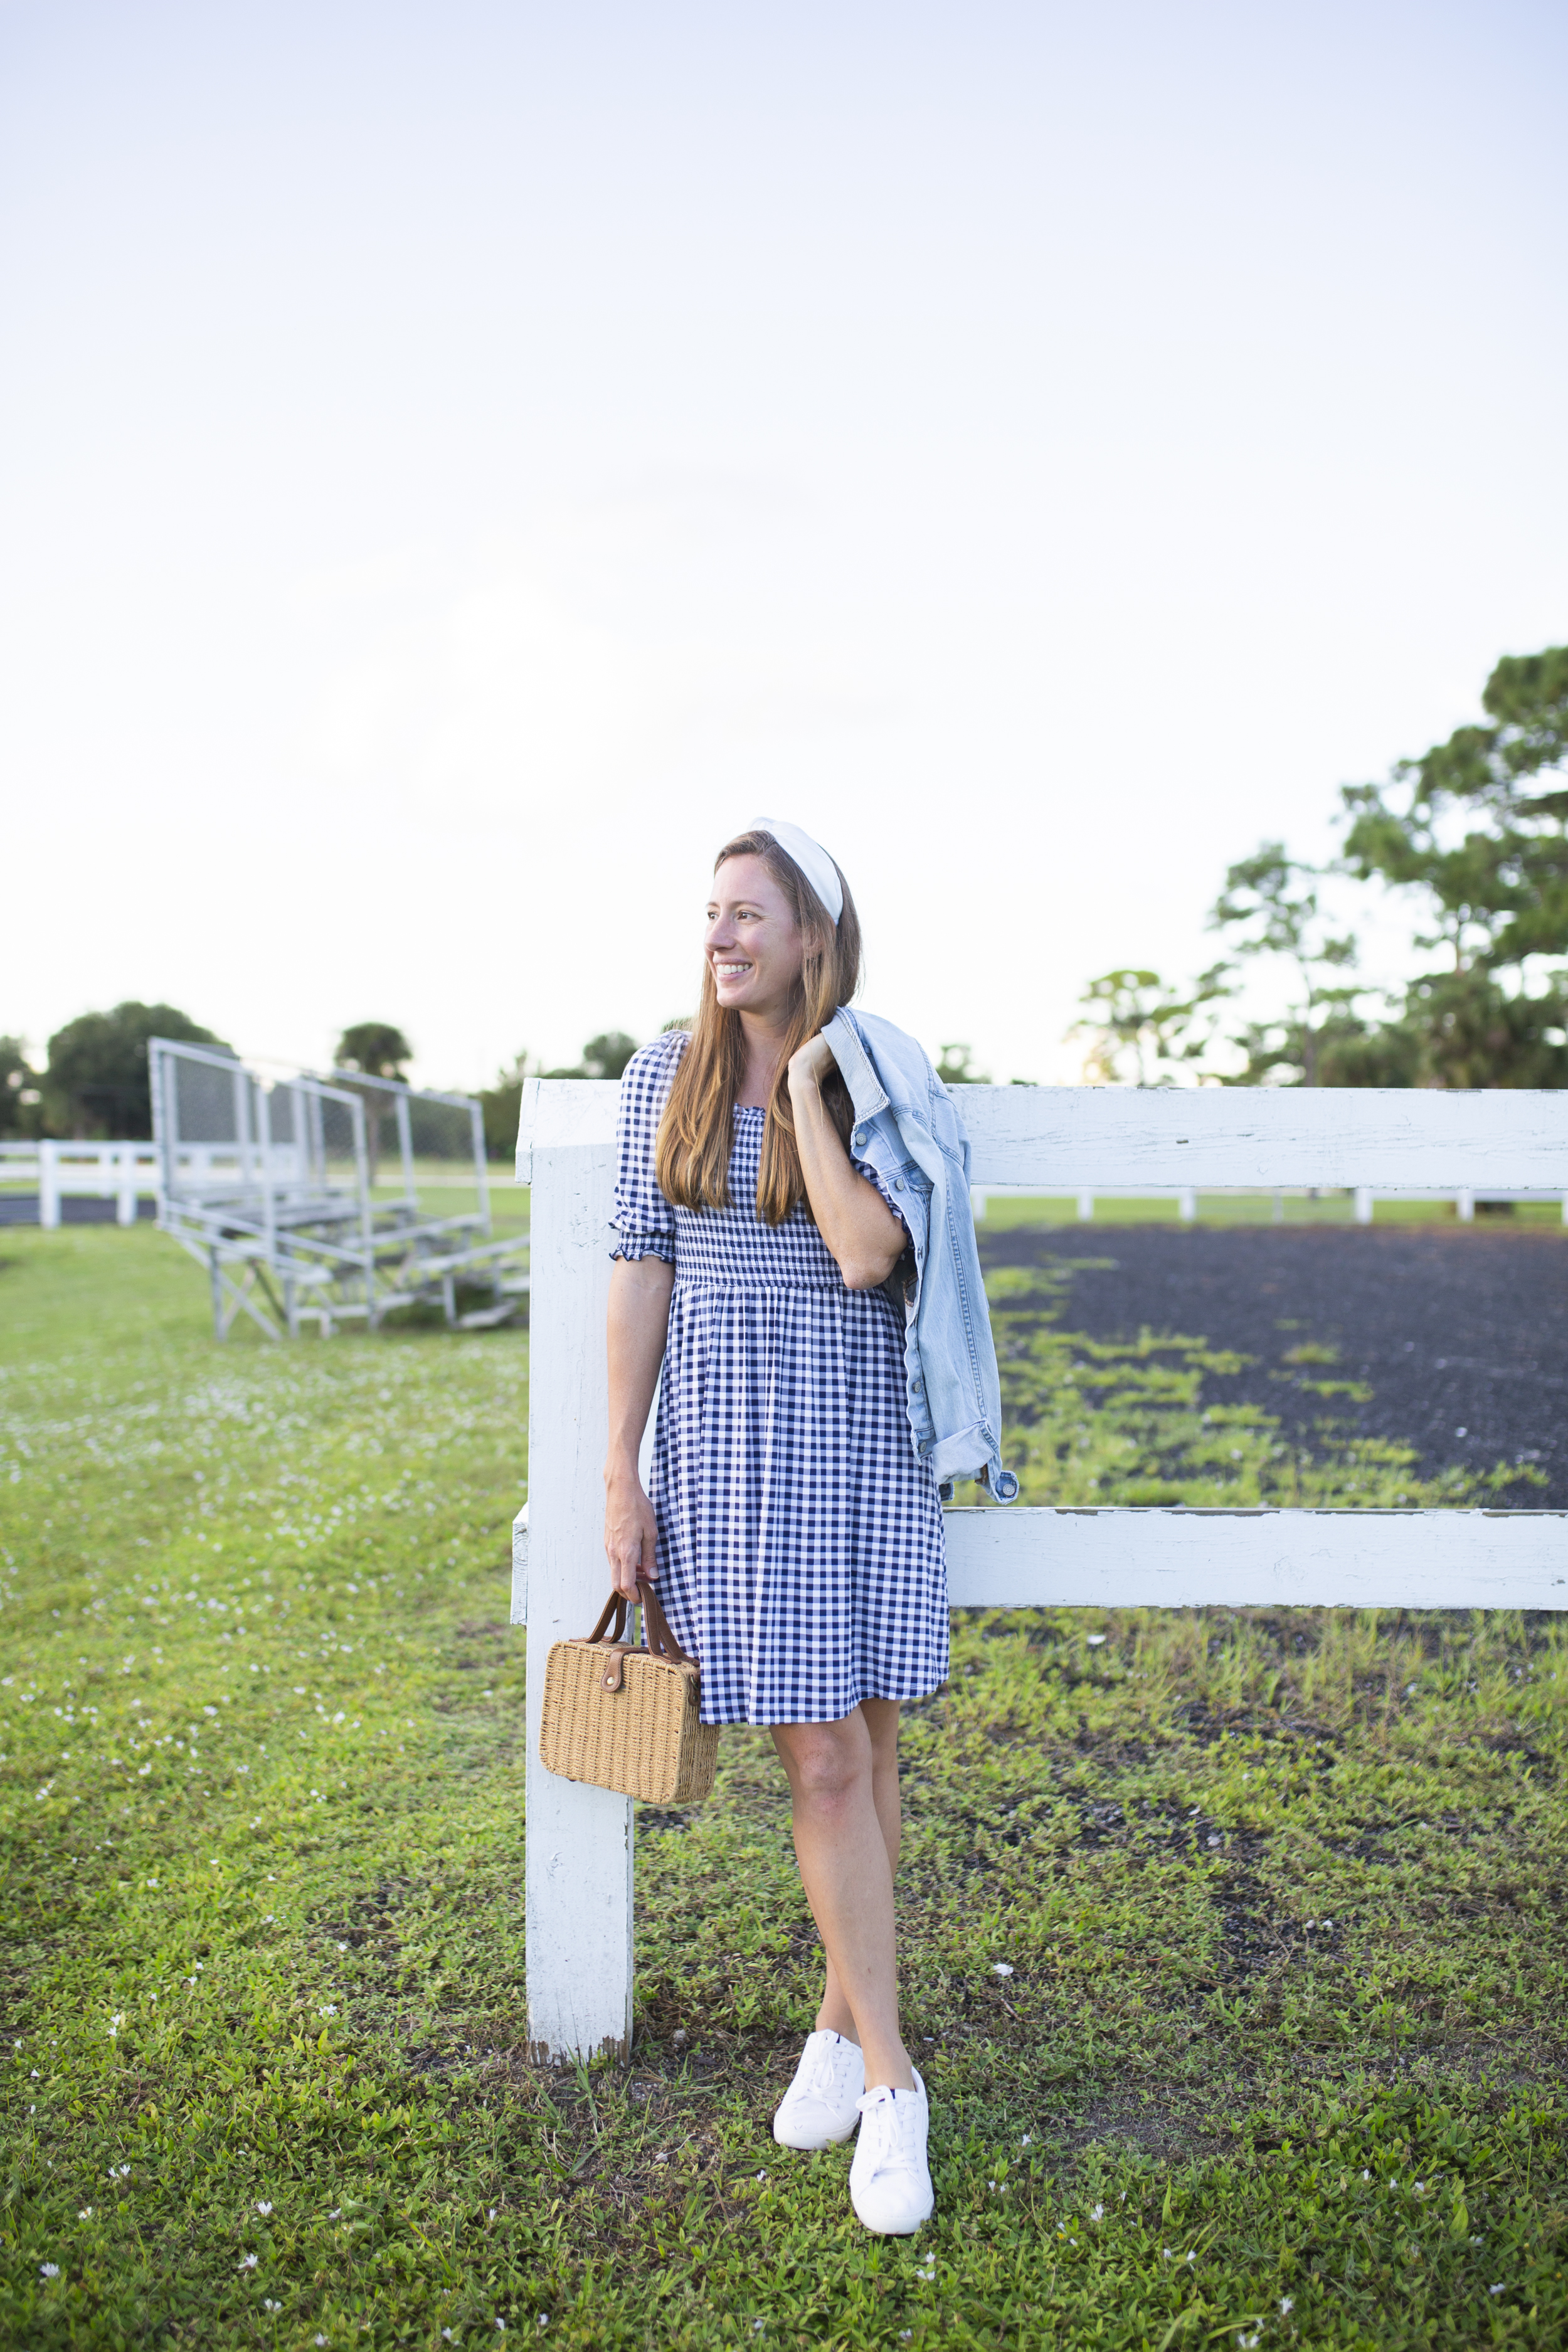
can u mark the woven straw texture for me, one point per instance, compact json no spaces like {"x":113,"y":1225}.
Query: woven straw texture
{"x":644,"y":1739}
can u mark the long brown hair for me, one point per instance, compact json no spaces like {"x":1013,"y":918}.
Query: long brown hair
{"x":697,"y":1133}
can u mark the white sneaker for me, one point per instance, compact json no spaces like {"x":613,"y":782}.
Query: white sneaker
{"x":823,"y":2103}
{"x":890,"y":2180}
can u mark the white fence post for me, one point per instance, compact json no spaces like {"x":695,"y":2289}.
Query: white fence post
{"x":579,"y":1852}
{"x":1464,"y":1203}
{"x":1187,"y":1206}
{"x":49,"y":1183}
{"x":1086,"y":1207}
{"x":1363,"y":1204}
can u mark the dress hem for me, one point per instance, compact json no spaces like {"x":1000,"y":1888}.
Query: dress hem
{"x":773,"y":1722}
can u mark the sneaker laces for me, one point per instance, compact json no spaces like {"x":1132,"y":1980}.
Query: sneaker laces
{"x":826,"y":2067}
{"x":896,"y":2127}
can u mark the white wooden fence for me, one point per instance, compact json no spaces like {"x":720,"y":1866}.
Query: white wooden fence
{"x":121,"y":1172}
{"x":579,"y":1852}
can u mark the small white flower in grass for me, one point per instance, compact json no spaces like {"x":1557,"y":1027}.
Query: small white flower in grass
{"x":1191,"y":2258}
{"x":1287,"y":2306}
{"x":1025,"y":2140}
{"x":336,"y":2213}
{"x":1165,"y":2253}
{"x":248,"y":2262}
{"x":85,"y":2213}
{"x":264,"y":2206}
{"x":48,"y":2270}
{"x":1366,"y":2176}
{"x":1495,"y":2290}
{"x":268,"y":2304}
{"x":328,"y":2008}
{"x":1097,"y":2214}
{"x":318,"y":2339}
{"x":1001,"y":1967}
{"x":1097,"y":1641}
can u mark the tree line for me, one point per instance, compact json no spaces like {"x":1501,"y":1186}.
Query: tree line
{"x":94,"y":1084}
{"x":1472,"y":837}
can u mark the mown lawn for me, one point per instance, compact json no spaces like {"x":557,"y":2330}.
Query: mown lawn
{"x":1233,"y":1945}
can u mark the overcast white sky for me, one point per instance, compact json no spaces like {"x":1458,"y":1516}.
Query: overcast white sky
{"x":458,"y":462}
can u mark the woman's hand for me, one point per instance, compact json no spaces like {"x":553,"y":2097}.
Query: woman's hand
{"x":631,"y":1532}
{"x":852,"y":1217}
{"x":813,"y":1060}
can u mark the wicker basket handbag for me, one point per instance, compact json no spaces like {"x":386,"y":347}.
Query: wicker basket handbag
{"x":626,"y":1718}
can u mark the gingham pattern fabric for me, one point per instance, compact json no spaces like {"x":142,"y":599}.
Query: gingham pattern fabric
{"x":800,"y":1541}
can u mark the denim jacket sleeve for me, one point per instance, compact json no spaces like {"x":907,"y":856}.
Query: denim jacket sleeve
{"x":909,"y":1132}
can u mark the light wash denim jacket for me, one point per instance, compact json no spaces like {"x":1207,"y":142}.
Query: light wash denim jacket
{"x":907,"y":1131}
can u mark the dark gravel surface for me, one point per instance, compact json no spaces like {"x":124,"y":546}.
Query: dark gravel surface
{"x":1461,"y":1334}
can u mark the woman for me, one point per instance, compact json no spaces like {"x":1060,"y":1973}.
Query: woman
{"x":794,"y":1526}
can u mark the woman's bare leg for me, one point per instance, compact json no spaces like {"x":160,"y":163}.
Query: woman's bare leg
{"x":882,"y":1722}
{"x":844,"y":1780}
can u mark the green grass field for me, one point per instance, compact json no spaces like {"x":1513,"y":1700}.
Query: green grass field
{"x":1233,"y":1945}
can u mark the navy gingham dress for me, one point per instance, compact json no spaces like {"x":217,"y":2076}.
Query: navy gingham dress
{"x":800,"y":1541}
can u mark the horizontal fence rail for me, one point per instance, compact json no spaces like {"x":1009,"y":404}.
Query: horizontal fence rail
{"x":1069,"y":1140}
{"x":1359,"y":1198}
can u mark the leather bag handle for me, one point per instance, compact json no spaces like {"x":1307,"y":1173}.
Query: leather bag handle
{"x":656,"y":1631}
{"x":657,"y":1635}
{"x":616,"y":1607}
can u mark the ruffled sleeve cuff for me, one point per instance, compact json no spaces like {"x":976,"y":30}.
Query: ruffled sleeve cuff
{"x":632,"y":1246}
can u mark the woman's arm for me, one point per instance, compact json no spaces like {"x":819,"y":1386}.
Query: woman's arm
{"x":639,"y":1322}
{"x":851,"y":1215}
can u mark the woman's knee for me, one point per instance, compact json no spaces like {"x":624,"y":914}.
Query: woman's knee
{"x":829,"y":1765}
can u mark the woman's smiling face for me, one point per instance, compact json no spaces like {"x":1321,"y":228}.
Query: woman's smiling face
{"x":754,"y":945}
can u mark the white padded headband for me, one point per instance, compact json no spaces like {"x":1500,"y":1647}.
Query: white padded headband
{"x":810,"y":856}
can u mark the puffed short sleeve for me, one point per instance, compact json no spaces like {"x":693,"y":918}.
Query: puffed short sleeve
{"x":645,"y":1222}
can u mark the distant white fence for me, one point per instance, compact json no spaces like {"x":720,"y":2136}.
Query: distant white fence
{"x":121,"y":1172}
{"x":1186,"y":1199}
{"x":1040,"y":1140}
